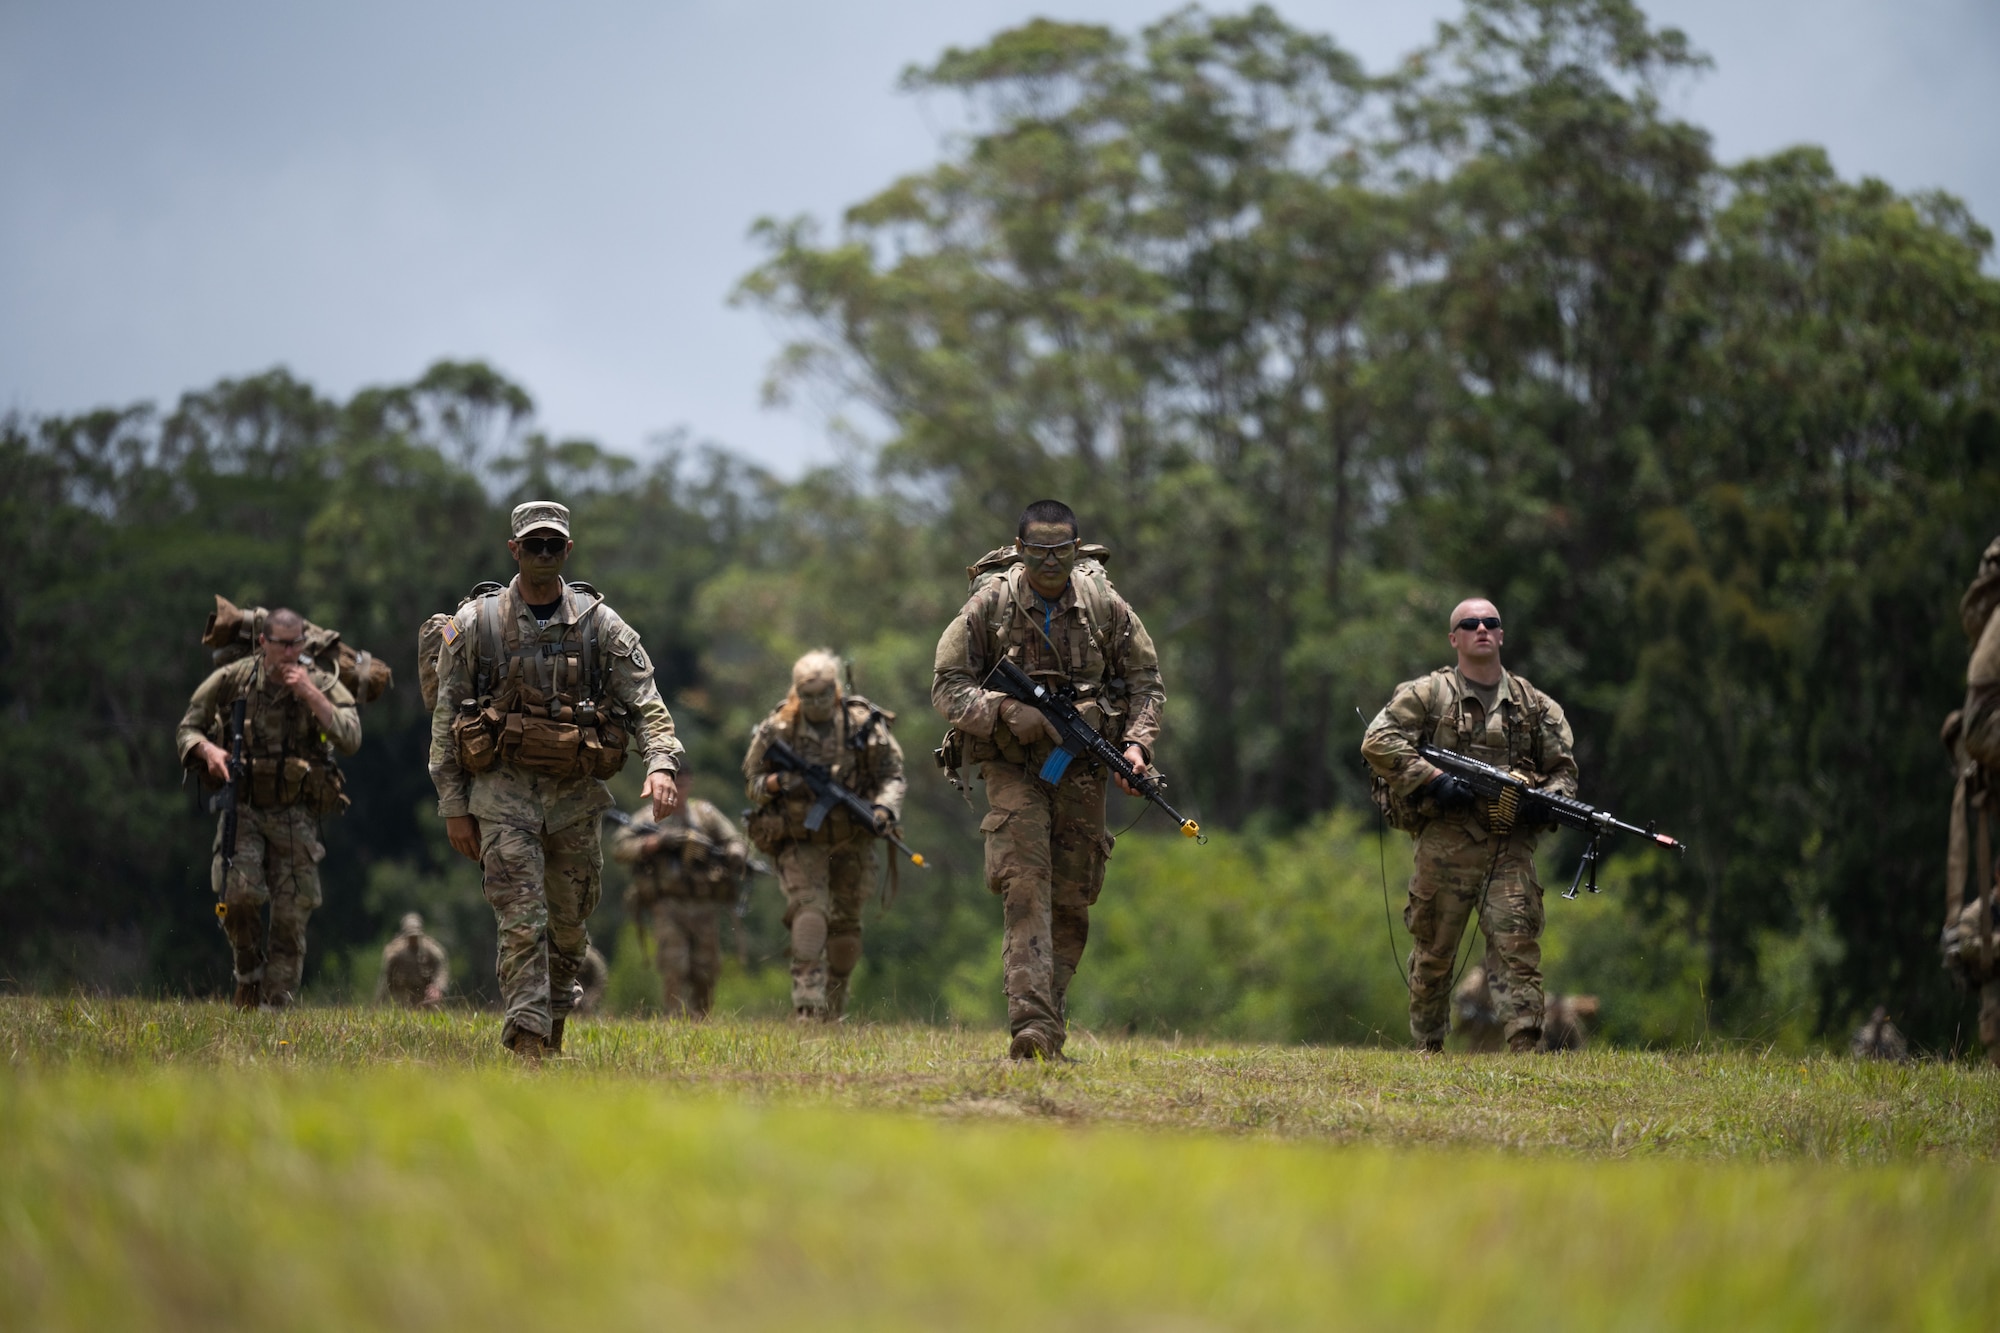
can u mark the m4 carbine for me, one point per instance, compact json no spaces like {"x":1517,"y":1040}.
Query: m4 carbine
{"x":1077,"y":739}
{"x":1515,"y":801}
{"x":829,"y":792}
{"x":226,"y":801}
{"x":753,"y":864}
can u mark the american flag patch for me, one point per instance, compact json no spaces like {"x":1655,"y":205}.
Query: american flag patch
{"x":450,"y":633}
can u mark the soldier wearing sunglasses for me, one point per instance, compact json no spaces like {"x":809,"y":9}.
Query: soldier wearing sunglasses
{"x":295,"y":720}
{"x":1470,"y":861}
{"x":1046,"y":843}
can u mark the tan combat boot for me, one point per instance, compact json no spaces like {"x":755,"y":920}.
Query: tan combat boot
{"x":529,"y":1047}
{"x":1524,"y":1042}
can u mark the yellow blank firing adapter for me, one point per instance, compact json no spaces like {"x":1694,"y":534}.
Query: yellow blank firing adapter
{"x":222,"y":911}
{"x":1190,"y":829}
{"x":916,"y":858}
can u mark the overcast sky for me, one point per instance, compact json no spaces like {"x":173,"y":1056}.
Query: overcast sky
{"x":195,"y":190}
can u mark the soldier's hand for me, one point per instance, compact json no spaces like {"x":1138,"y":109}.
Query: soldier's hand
{"x":1027,"y":724}
{"x":883,"y":818}
{"x":775,"y":782}
{"x":1448,"y":791}
{"x":215,"y":759}
{"x":463,"y":830}
{"x":663,"y":792}
{"x":1137,"y":758}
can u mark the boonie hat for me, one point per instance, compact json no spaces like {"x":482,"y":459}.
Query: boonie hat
{"x":540,"y":514}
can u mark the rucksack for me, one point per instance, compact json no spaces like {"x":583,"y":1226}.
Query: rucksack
{"x":232,"y":633}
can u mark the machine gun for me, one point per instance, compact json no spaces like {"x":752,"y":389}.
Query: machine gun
{"x":1515,"y":801}
{"x":226,"y":800}
{"x":1077,"y":739}
{"x":828,"y":793}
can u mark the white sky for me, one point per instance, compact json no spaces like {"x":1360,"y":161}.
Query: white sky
{"x":197,"y":190}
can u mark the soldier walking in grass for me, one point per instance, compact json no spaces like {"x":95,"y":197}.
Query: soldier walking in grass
{"x":685,"y":869}
{"x":415,"y":968}
{"x":296,"y":719}
{"x":1057,"y":617}
{"x":1464,"y":866}
{"x":1971,"y":938}
{"x":541,"y":688}
{"x":825,"y":872}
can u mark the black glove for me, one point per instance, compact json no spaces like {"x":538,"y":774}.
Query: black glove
{"x":1448,"y":793}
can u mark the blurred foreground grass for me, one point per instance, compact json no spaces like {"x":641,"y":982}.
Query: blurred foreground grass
{"x":178,"y":1166}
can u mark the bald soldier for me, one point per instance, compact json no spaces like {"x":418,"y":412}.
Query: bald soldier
{"x":542,"y":689}
{"x":824,"y":872}
{"x":1464,"y":868}
{"x":296,"y":719}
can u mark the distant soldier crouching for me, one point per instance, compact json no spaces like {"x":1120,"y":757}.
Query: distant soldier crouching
{"x":541,"y":687}
{"x":415,"y":968}
{"x":295,"y":719}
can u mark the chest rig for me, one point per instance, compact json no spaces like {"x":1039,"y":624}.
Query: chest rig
{"x":850,"y":752}
{"x":1515,"y":745}
{"x":540,"y":702}
{"x":289,"y":761}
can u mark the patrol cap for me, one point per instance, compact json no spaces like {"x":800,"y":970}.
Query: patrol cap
{"x":540,"y":514}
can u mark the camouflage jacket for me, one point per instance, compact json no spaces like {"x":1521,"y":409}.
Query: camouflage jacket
{"x":1526,"y":733}
{"x":1088,"y":638}
{"x":411,"y":965}
{"x":276,"y":722}
{"x":507,"y":793}
{"x":706,"y":865}
{"x":856,"y":745}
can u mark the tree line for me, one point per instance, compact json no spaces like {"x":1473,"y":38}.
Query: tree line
{"x":1315,"y":350}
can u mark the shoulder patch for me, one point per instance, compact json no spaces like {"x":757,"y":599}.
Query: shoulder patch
{"x":450,"y":632}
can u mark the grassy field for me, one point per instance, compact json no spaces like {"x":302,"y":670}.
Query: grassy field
{"x":178,"y":1166}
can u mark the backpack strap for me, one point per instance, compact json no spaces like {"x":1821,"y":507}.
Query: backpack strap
{"x":489,"y":644}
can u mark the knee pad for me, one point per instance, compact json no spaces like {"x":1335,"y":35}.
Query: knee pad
{"x":842,"y":953}
{"x":808,"y":936}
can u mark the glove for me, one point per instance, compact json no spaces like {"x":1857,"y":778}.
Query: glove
{"x":883,"y":819}
{"x":1450,"y":793}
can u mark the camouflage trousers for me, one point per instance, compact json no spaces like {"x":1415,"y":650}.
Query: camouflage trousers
{"x":825,"y":885}
{"x":542,"y":887}
{"x":1045,"y":854}
{"x":687,"y":949}
{"x":278,"y":853}
{"x":1444,"y":892}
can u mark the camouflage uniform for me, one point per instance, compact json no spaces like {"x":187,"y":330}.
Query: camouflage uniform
{"x":539,"y":851}
{"x":825,"y":873}
{"x":1460,"y":866}
{"x":677,"y":897}
{"x":1046,"y":846}
{"x":291,"y":782}
{"x":1971,"y":936}
{"x":415,"y":968}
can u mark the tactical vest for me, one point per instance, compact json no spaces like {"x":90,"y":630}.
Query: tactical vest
{"x":1446,"y":726}
{"x":540,"y":704}
{"x":287,"y":759}
{"x":864,"y":735}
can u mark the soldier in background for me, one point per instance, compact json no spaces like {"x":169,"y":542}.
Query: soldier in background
{"x":1046,"y":844}
{"x":1465,"y":864}
{"x":1970,"y":939}
{"x":684,"y":870}
{"x":415,"y":968}
{"x":1879,"y":1039}
{"x":825,"y":872}
{"x":1566,"y":1019}
{"x":295,"y":720}
{"x":541,"y":689}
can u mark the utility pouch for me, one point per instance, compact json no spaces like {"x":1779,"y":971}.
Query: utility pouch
{"x":325,"y":791}
{"x":478,"y":750}
{"x":1398,"y":812}
{"x":766,"y":826}
{"x":546,"y":746}
{"x":264,"y":783}
{"x":292,"y":775}
{"x":606,"y":748}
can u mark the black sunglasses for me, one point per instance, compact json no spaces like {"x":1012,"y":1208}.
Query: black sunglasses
{"x":544,"y":545}
{"x":1471,"y":623}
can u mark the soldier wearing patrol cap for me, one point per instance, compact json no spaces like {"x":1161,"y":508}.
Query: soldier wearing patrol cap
{"x":542,"y":689}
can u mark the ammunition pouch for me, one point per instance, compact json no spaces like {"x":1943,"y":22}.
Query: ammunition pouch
{"x":543,"y":745}
{"x":275,"y":783}
{"x":767,"y":826}
{"x":546,"y":745}
{"x":325,"y":790}
{"x":475,"y":731}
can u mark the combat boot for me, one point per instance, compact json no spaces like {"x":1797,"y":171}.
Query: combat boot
{"x":1524,"y":1042}
{"x":1027,"y":1045}
{"x":1432,"y":1046}
{"x":529,"y":1047}
{"x":247,"y":994}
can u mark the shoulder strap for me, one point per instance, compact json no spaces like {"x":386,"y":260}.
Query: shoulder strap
{"x":489,"y":643}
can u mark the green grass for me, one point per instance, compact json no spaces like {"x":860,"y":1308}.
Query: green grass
{"x":176,"y":1166}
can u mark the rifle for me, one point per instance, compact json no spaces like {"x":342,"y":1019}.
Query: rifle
{"x":1077,"y":739}
{"x":828,"y":793}
{"x":753,"y":864}
{"x":225,"y":801}
{"x":1515,"y":799}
